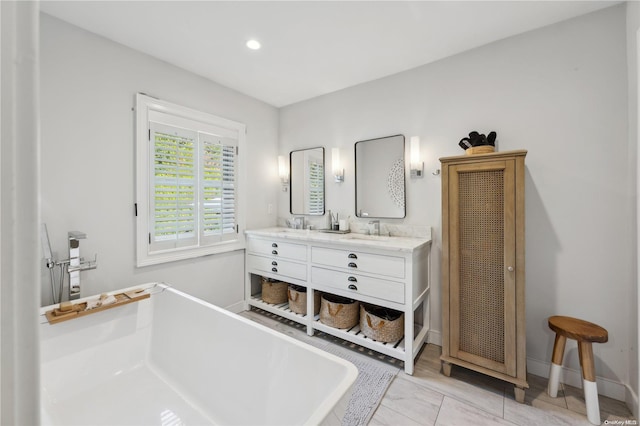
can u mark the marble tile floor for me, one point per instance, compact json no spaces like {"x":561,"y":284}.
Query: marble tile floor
{"x":466,"y":398}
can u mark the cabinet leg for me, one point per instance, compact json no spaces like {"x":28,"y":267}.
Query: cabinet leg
{"x":519,"y":394}
{"x":446,"y":368}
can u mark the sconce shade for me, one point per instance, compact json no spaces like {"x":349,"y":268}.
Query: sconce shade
{"x":416,"y":166}
{"x":336,"y":166}
{"x":283,"y":170}
{"x":415,"y":150}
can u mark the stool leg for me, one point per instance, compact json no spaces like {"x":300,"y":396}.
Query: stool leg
{"x":585,"y":351}
{"x":556,"y":365}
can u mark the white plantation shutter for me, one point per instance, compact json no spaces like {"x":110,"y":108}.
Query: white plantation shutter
{"x":174,"y":187}
{"x":316,"y":187}
{"x":229,"y":185}
{"x":218,"y":189}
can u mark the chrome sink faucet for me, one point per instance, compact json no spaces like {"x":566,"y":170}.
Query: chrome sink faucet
{"x":296,"y":222}
{"x":376,"y":227}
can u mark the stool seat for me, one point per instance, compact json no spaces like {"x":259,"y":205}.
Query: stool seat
{"x":585,"y":333}
{"x":577,"y":329}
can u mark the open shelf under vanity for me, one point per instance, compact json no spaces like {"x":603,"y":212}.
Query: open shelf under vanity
{"x":353,"y":334}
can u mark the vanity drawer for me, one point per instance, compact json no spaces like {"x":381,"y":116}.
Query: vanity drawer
{"x":277,"y":249}
{"x":359,"y":284}
{"x":277,"y":267}
{"x":389,"y":266}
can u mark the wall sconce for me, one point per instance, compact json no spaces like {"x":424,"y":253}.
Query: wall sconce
{"x":416,"y":166}
{"x":283,"y":172}
{"x":336,"y":167}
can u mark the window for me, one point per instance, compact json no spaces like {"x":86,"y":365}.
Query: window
{"x":188,"y":172}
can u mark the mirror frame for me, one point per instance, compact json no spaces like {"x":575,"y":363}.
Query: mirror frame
{"x":291,"y":180}
{"x":404,"y":176}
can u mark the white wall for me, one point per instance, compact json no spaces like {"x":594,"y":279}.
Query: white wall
{"x":559,"y":92}
{"x":633,"y":47}
{"x":88,"y":85}
{"x":19,"y":214}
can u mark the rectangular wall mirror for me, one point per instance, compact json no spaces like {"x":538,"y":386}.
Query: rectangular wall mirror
{"x":307,"y":181}
{"x":380,"y":178}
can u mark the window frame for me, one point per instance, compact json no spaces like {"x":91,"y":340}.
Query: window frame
{"x":147,"y":108}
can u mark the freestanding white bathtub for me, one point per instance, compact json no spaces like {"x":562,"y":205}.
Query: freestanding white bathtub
{"x":173,"y":359}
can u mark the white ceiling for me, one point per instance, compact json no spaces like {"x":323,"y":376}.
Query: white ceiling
{"x":308,"y":48}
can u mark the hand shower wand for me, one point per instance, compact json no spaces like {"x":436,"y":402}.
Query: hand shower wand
{"x":51,"y":263}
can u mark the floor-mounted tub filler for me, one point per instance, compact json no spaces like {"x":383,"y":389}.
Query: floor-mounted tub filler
{"x":173,"y":359}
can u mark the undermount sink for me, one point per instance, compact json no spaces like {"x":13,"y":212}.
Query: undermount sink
{"x":365,"y":237}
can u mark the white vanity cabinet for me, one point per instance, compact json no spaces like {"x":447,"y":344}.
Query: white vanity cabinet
{"x":386,"y":271}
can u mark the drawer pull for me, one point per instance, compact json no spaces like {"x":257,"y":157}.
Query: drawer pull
{"x":274,"y":245}
{"x":352,"y":287}
{"x":274,"y":269}
{"x":352,"y":265}
{"x":352,"y":256}
{"x":274,"y":263}
{"x":274,"y":251}
{"x":353,"y":279}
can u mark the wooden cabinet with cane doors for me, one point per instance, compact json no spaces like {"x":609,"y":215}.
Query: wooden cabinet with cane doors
{"x":483,"y":278}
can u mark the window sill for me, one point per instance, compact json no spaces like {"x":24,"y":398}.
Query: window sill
{"x":188,"y":253}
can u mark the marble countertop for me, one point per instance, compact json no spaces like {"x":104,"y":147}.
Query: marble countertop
{"x":407,"y":244}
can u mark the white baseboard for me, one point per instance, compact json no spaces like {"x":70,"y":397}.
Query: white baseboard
{"x":435,"y":337}
{"x":606,"y":387}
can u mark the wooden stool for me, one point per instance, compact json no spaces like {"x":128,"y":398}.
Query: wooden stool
{"x":584,"y":333}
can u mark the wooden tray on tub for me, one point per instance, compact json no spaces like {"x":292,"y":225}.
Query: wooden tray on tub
{"x":77,"y":310}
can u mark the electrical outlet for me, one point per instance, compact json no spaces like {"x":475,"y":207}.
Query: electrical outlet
{"x":269,"y":208}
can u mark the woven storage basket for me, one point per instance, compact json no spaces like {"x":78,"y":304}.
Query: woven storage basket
{"x":339,"y":312}
{"x":298,"y":300}
{"x":274,"y":291}
{"x":381,"y":324}
{"x":482,"y":149}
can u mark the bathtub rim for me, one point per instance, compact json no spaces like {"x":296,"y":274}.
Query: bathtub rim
{"x":323,"y":410}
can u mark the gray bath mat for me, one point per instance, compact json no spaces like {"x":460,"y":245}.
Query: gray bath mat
{"x":369,"y":388}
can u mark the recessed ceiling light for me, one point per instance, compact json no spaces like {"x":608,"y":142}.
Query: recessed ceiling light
{"x":253,"y":44}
